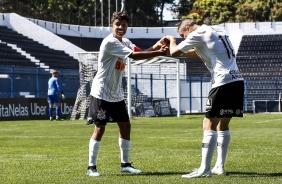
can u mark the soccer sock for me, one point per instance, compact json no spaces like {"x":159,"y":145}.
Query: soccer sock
{"x":50,"y":112}
{"x":58,"y":112}
{"x":208,"y":146}
{"x":94,"y":147}
{"x":124,"y":150}
{"x":223,"y":141}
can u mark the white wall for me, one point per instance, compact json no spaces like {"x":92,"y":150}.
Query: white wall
{"x":247,"y":28}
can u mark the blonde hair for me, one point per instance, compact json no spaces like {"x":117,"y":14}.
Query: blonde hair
{"x":186,"y":21}
{"x":55,"y":72}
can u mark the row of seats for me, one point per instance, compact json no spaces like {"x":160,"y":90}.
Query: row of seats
{"x":246,"y":65}
{"x":262,"y":39}
{"x":264,"y":82}
{"x":248,"y":43}
{"x":259,"y":59}
{"x":16,"y":62}
{"x":8,"y":56}
{"x":265,"y":74}
{"x":261,"y":48}
{"x":266,"y":87}
{"x":257,"y":52}
{"x":261,"y":69}
{"x":262,"y":91}
{"x":38,"y":50}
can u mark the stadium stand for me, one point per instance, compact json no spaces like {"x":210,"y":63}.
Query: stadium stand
{"x":87,"y":44}
{"x":9,"y":56}
{"x":45,"y":55}
{"x":259,"y":58}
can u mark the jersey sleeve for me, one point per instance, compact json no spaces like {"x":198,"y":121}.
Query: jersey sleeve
{"x":116,"y":48}
{"x":58,"y":86}
{"x":131,"y":45}
{"x":193,"y":39}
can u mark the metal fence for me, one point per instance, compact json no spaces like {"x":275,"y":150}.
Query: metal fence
{"x":30,"y":82}
{"x":21,"y":82}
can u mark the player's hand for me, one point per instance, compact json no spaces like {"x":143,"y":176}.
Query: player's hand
{"x":169,"y":37}
{"x":164,"y":41}
{"x":63,"y":97}
{"x":165,"y":50}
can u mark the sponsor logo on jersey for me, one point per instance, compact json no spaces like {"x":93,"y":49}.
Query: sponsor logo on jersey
{"x":120,"y":65}
{"x":225,"y":111}
{"x":235,"y":74}
{"x":230,"y":111}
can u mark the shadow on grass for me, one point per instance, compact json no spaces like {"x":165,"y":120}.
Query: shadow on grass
{"x":155,"y":173}
{"x":193,"y":117}
{"x":228,"y":174}
{"x":252,"y":174}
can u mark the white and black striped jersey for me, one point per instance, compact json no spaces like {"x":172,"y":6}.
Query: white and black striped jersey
{"x":107,"y":83}
{"x":213,"y":46}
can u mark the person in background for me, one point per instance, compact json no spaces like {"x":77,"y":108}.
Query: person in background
{"x":54,"y":94}
{"x":225,"y":99}
{"x":106,"y":98}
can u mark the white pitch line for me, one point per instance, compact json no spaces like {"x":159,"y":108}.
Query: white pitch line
{"x":267,"y":121}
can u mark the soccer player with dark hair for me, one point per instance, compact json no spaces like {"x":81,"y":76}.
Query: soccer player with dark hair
{"x":54,"y":93}
{"x":225,"y":99}
{"x":107,"y":100}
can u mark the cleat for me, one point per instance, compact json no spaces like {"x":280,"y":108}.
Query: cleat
{"x":198,"y":174}
{"x":51,"y":119}
{"x":92,"y":171}
{"x":89,"y":121}
{"x":59,"y":119}
{"x":127,"y":167}
{"x":218,"y":171}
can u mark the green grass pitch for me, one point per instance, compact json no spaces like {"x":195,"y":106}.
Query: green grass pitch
{"x":164,"y":148}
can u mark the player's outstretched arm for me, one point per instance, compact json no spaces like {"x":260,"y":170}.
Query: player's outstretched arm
{"x":175,"y":52}
{"x":191,"y":54}
{"x":162,"y":42}
{"x":162,"y":51}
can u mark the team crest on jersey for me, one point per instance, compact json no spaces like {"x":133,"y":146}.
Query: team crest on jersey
{"x":101,"y":114}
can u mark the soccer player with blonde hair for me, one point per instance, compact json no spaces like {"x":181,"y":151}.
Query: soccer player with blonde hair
{"x":225,"y":99}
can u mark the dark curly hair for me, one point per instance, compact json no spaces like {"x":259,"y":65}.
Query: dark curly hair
{"x":120,"y":16}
